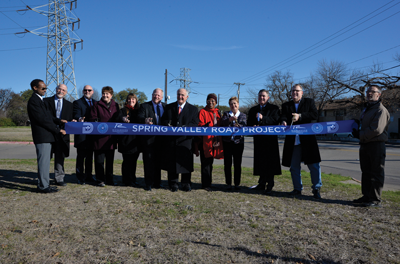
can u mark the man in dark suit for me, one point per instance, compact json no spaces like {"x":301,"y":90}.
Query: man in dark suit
{"x":82,"y":143}
{"x":178,"y":157}
{"x":266,"y":162}
{"x":150,"y":113}
{"x":45,"y":128}
{"x":61,"y":109}
{"x":298,"y":148}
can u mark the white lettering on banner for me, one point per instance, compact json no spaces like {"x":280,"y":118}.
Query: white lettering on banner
{"x":180,"y":129}
{"x":259,"y":129}
{"x":164,"y":129}
{"x":213,"y":130}
{"x":245,"y":129}
{"x":174,"y":129}
{"x":204,"y":129}
{"x":251,"y":130}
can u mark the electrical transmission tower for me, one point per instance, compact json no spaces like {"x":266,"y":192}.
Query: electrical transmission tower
{"x":60,"y":37}
{"x":185,"y":79}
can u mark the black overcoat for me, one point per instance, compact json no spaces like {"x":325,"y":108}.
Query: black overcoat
{"x":177,"y":150}
{"x":266,"y":148}
{"x":309,"y":146}
{"x":82,"y":109}
{"x":129,"y":144}
{"x":66,"y":114}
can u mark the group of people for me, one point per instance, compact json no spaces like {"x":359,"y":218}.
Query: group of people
{"x":175,"y":154}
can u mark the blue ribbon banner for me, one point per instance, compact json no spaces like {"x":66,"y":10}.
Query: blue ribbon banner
{"x":98,"y":128}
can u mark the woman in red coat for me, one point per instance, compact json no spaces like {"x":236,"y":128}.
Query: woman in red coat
{"x":105,"y":110}
{"x":211,"y":146}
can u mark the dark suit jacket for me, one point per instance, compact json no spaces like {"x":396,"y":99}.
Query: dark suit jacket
{"x":266,"y":149}
{"x":82,"y":109}
{"x":309,"y":151}
{"x":44,"y":126}
{"x":66,"y":114}
{"x":147,"y":110}
{"x":178,"y":155}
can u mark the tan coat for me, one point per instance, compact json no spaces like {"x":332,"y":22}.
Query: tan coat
{"x":374,"y":124}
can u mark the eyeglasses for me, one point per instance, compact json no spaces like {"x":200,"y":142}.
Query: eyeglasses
{"x":86,"y":90}
{"x":43,"y":88}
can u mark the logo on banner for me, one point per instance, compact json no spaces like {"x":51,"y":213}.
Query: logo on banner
{"x":317,"y":128}
{"x":118,"y":125}
{"x":119,"y":129}
{"x":298,"y":129}
{"x":332,"y":127}
{"x":102,"y":128}
{"x":87,"y":128}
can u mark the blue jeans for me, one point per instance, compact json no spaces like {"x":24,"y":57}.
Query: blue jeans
{"x":295,"y":169}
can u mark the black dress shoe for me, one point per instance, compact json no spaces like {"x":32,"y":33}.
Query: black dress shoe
{"x":48,"y":190}
{"x":259,"y":187}
{"x":268,"y":192}
{"x":316,"y":194}
{"x":61,"y":183}
{"x":186,"y":188}
{"x":295,"y":193}
{"x":229,"y":188}
{"x":81,"y":182}
{"x":158,"y":186}
{"x":148,"y":188}
{"x":361,"y":200}
{"x":372,"y":204}
{"x":208,"y":189}
{"x":174,"y":188}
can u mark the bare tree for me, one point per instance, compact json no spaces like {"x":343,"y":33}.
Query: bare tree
{"x":5,"y":97}
{"x":279,"y":85}
{"x":322,"y":86}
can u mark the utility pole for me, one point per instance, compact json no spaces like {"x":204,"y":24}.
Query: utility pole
{"x":166,"y":84}
{"x":238,"y":91}
{"x":60,"y":27}
{"x":218,"y":100}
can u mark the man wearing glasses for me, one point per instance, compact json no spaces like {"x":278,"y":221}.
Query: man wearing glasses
{"x":372,"y":133}
{"x":298,"y":148}
{"x":45,"y":128}
{"x":82,"y":143}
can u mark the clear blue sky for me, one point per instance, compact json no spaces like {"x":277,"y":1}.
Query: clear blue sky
{"x":129,"y":44}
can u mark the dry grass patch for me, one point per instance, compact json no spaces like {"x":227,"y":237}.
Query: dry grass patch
{"x":116,"y":224}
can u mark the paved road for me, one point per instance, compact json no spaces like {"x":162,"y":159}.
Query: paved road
{"x":337,"y":158}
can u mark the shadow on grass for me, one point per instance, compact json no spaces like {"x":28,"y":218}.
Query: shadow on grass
{"x":267,"y":255}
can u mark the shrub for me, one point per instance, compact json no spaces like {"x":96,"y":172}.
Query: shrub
{"x":5,"y":122}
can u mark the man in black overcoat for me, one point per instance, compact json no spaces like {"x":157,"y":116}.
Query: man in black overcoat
{"x":298,"y":148}
{"x":83,"y":143}
{"x":62,"y":109}
{"x":266,"y":161}
{"x":177,"y":151}
{"x":45,"y":128}
{"x":151,"y":113}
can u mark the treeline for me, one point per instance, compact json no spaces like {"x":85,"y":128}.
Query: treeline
{"x":13,"y":106}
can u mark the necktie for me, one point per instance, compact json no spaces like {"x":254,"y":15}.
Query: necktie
{"x":90,"y":103}
{"x":58,"y":111}
{"x":158,"y":114}
{"x":180,"y":110}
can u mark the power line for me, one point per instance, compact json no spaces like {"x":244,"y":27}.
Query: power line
{"x":336,"y":43}
{"x":12,"y":20}
{"x":25,"y":48}
{"x":301,"y":53}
